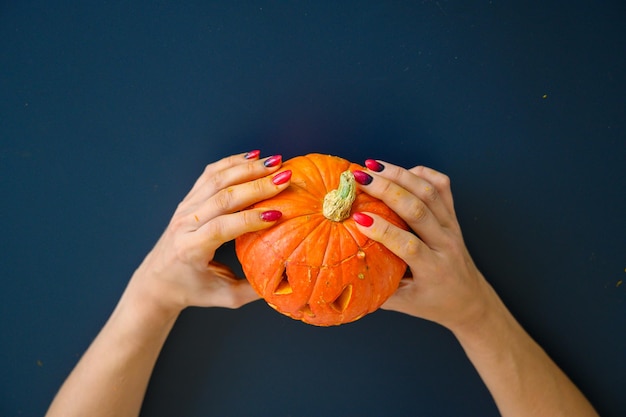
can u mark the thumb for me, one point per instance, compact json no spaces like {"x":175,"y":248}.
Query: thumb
{"x":243,"y":293}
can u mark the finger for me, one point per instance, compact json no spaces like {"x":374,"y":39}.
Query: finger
{"x":440,"y":181}
{"x":406,"y":204}
{"x":221,"y":270}
{"x":238,"y":197}
{"x":232,"y":294}
{"x":421,"y":186}
{"x":221,"y":291}
{"x":229,"y":171}
{"x":401,"y":300}
{"x":242,"y":293}
{"x":404,"y":244}
{"x":202,"y":244}
{"x":223,"y":163}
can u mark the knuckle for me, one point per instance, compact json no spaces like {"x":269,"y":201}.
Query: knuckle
{"x":429,"y":193}
{"x":386,"y":232}
{"x":230,"y":161}
{"x":403,"y":244}
{"x":216,"y":230}
{"x":181,"y":208}
{"x":223,"y":200}
{"x":183,"y":253}
{"x":411,"y":248}
{"x":387,"y":188}
{"x":258,"y":187}
{"x":217,"y":180}
{"x":249,"y":219}
{"x":417,"y":211}
{"x":252,"y":169}
{"x":395,"y":175}
{"x":177,"y":223}
{"x":208,"y":169}
{"x":418,"y":170}
{"x":444,"y":181}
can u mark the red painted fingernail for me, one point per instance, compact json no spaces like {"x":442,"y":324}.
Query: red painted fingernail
{"x":282,"y":177}
{"x":362,"y":178}
{"x":363,"y":219}
{"x":271,"y":215}
{"x":252,"y":154}
{"x":374,"y":165}
{"x":273,"y":161}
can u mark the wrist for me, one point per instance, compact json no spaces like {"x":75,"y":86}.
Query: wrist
{"x":485,"y":314}
{"x":493,"y":334}
{"x":144,"y":305}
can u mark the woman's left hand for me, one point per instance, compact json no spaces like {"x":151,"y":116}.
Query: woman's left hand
{"x":445,"y":286}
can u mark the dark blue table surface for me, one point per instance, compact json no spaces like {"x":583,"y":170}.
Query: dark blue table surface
{"x":110,"y":110}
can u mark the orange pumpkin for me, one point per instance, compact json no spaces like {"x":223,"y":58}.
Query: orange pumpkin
{"x":311,"y":268}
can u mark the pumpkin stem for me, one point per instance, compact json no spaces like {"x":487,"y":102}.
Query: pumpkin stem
{"x":338,"y":203}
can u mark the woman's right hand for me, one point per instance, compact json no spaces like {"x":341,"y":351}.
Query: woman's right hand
{"x":180,"y":271}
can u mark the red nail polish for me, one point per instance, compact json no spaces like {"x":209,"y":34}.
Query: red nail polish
{"x":252,"y":154}
{"x":282,"y":177}
{"x":363,"y":219}
{"x":362,"y":178}
{"x":271,"y":215}
{"x":374,"y":165}
{"x":273,"y":161}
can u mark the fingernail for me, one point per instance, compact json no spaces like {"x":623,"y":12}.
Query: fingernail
{"x":374,"y":165}
{"x":362,"y":178}
{"x":252,"y":154}
{"x":273,"y":161}
{"x":363,"y":219}
{"x":282,"y":177}
{"x":271,"y":215}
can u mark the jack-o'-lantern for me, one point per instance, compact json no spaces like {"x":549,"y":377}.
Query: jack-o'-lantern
{"x":314,"y":264}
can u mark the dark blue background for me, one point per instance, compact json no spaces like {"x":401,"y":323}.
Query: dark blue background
{"x":110,"y":110}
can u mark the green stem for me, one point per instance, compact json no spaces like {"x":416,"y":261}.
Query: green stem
{"x":338,"y":203}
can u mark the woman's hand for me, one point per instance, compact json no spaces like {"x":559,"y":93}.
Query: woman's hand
{"x":180,"y":270}
{"x":445,"y":286}
{"x":112,"y":376}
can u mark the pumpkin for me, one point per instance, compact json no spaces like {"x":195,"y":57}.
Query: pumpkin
{"x":313,"y":268}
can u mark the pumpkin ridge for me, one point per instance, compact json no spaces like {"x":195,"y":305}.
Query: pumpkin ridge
{"x":367,"y":246}
{"x":328,"y":249}
{"x":351,"y":232}
{"x":304,"y":189}
{"x":321,"y":223}
{"x":320,"y":178}
{"x":325,"y":179}
{"x":327,"y":265}
{"x":339,"y":248}
{"x":324,"y":223}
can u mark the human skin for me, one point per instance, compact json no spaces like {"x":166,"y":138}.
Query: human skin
{"x":112,"y":376}
{"x":446,"y":287}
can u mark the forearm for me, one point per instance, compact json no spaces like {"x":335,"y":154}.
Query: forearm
{"x":112,"y":376}
{"x":521,"y":377}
